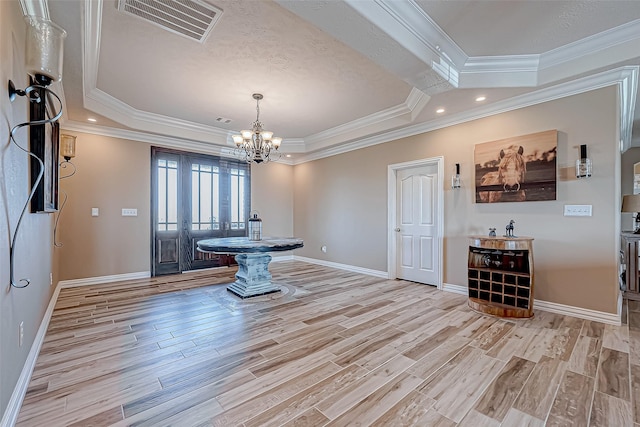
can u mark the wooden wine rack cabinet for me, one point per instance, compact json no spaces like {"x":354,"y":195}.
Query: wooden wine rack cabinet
{"x":501,"y":276}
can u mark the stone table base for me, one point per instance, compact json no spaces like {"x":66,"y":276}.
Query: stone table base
{"x":253,"y":277}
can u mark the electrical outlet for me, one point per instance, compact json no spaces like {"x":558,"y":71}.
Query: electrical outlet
{"x":577,"y":210}
{"x":21,"y":334}
{"x":324,"y":249}
{"x":129,"y":212}
{"x":95,"y":211}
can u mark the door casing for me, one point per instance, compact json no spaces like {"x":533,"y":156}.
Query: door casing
{"x":392,"y":203}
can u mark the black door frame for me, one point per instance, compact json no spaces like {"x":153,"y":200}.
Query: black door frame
{"x":184,"y":238}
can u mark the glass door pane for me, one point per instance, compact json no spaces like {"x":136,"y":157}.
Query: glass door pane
{"x":205,"y":197}
{"x":238,"y":214}
{"x":167,"y":172}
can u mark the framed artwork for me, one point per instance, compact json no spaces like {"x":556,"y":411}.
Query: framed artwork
{"x":44,"y":143}
{"x":519,"y":169}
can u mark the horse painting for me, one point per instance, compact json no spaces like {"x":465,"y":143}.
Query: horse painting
{"x":510,"y":175}
{"x":502,"y":166}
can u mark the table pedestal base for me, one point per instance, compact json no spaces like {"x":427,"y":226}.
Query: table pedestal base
{"x":253,"y":277}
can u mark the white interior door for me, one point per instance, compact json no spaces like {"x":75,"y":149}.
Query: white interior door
{"x":417,"y":245}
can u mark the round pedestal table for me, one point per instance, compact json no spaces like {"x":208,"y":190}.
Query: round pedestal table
{"x":253,"y":277}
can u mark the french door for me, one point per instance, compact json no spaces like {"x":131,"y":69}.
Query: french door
{"x":195,"y":197}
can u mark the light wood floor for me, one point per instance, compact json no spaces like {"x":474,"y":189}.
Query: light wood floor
{"x":335,"y":348}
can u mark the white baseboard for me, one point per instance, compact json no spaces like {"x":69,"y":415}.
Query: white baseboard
{"x":104,"y":279}
{"x":282,"y":258}
{"x":15,"y":402}
{"x":620,"y":298}
{"x":582,"y":313}
{"x":352,"y":268}
{"x":553,"y":307}
{"x":456,"y":289}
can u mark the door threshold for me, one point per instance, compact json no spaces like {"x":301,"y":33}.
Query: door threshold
{"x":204,"y":269}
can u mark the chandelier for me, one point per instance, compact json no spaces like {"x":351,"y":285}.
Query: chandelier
{"x":256,"y":145}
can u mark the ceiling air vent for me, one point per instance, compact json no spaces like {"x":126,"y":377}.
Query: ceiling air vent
{"x":190,"y":18}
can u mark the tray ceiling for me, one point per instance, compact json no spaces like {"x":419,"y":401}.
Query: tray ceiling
{"x":334,"y":74}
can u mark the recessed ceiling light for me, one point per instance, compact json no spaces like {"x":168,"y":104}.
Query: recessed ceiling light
{"x":440,"y":110}
{"x":91,"y":119}
{"x":288,"y":155}
{"x":481,"y":98}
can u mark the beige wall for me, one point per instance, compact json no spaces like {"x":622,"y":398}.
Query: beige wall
{"x":272,"y":197}
{"x":341,"y":201}
{"x":34,"y":247}
{"x":113,"y":174}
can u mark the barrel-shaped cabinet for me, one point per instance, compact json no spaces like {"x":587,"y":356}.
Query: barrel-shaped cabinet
{"x":501,"y":276}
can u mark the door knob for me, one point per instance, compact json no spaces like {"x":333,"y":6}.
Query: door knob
{"x":397,"y":229}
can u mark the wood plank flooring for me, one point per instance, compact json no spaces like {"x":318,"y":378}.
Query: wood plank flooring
{"x":334,"y":348}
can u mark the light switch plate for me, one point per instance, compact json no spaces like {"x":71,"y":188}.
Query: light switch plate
{"x":129,"y":212}
{"x":577,"y":210}
{"x":95,"y":211}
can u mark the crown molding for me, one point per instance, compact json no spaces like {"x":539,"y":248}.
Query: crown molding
{"x":501,"y":64}
{"x":629,"y":32}
{"x":500,"y":71}
{"x":422,"y":28}
{"x":405,"y":113}
{"x":627,"y":93}
{"x":610,"y":47}
{"x":157,"y":140}
{"x":429,"y":47}
{"x":625,"y":78}
{"x":293,"y":145}
{"x":91,"y":44}
{"x":109,"y":106}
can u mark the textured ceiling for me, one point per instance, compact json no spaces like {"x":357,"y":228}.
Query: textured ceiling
{"x":310,"y":80}
{"x":516,"y":27}
{"x":332,"y":72}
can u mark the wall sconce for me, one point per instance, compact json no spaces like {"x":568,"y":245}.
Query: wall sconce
{"x":44,"y":53}
{"x":44,"y":49}
{"x":583,"y":164}
{"x":455,"y":178}
{"x":631,"y":203}
{"x":68,"y":151}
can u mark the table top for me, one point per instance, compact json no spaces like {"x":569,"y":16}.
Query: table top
{"x":522,"y":238}
{"x":240,"y":245}
{"x":630,"y":235}
{"x":502,"y":242}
